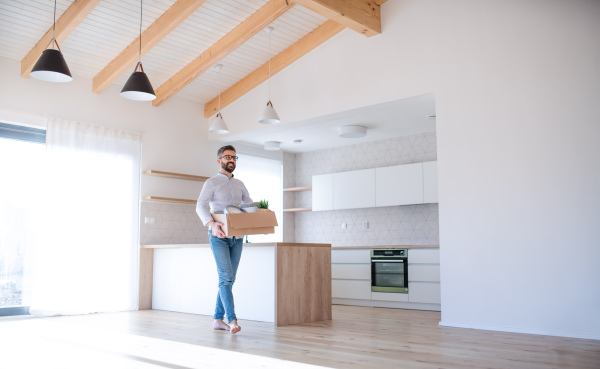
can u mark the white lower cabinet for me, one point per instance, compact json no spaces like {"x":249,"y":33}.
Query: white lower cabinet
{"x":383,"y":296}
{"x":424,"y":292}
{"x":351,"y":271}
{"x":351,"y":289}
{"x":360,"y":256}
{"x":423,"y":273}
{"x":351,"y":280}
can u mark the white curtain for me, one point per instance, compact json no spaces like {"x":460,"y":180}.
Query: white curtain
{"x":85,"y":256}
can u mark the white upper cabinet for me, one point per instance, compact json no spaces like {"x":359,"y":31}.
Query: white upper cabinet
{"x":353,"y":190}
{"x":430,"y":182}
{"x":322,"y":192}
{"x":400,"y":185}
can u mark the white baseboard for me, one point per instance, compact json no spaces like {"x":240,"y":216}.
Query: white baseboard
{"x":522,"y":330}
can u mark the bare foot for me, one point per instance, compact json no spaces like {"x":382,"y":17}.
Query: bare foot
{"x":234,"y":326}
{"x":219,"y":324}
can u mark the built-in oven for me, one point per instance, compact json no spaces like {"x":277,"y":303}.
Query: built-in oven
{"x":389,"y":270}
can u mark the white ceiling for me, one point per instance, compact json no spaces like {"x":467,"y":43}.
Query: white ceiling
{"x":387,"y":120}
{"x":113,"y":24}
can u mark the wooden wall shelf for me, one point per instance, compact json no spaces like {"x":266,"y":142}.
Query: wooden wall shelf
{"x":295,"y":210}
{"x":190,"y":177}
{"x":169,"y":199}
{"x":297,"y":189}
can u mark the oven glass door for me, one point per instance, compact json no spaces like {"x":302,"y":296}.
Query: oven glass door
{"x":389,"y":276}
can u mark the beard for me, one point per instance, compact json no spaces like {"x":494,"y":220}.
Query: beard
{"x":229,"y":167}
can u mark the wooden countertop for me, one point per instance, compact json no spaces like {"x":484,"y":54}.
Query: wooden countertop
{"x":387,"y":247}
{"x":191,"y":245}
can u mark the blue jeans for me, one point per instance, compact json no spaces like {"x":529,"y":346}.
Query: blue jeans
{"x":227,"y":254}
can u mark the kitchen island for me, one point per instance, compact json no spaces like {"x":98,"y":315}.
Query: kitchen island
{"x":280,"y":282}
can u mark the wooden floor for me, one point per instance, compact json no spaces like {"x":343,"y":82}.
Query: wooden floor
{"x":357,"y":337}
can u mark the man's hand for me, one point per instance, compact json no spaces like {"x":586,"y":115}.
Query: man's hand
{"x":215,"y":229}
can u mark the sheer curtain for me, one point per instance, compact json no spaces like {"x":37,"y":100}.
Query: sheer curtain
{"x":85,"y":256}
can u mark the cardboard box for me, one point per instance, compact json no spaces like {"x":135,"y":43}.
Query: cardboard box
{"x":247,"y":223}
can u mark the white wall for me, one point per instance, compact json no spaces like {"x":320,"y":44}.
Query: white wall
{"x":175,"y":135}
{"x":516,"y":86}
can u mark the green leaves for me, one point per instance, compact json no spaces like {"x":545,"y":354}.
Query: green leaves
{"x":263,"y":204}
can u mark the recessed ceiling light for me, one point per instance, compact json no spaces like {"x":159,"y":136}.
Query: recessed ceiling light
{"x":352,"y":131}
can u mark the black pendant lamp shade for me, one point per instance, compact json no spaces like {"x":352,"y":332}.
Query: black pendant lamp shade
{"x":138,"y":86}
{"x":51,"y":67}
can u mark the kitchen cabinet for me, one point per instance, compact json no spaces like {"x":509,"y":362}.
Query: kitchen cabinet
{"x":399,"y":185}
{"x":361,"y":256}
{"x":351,"y":289}
{"x":424,"y":292}
{"x":351,"y":280}
{"x":424,"y":276}
{"x":396,"y":185}
{"x":351,"y":271}
{"x":322,"y":192}
{"x":430,"y":182}
{"x":354,"y":190}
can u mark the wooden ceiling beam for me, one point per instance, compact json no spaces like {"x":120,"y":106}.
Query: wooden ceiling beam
{"x":231,"y":41}
{"x":362,"y":16}
{"x":67,"y":22}
{"x":282,"y":60}
{"x":166,"y":23}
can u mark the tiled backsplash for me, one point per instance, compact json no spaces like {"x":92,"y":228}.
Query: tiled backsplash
{"x":289,"y":198}
{"x":174,"y":224}
{"x":394,"y":225}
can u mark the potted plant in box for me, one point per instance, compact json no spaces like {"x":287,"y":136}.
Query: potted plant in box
{"x":263,"y":205}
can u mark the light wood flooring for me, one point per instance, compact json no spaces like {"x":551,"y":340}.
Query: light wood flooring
{"x":357,"y":337}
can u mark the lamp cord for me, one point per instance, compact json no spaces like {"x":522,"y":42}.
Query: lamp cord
{"x":54,"y":24}
{"x":270,"y":66}
{"x":140,"y":50}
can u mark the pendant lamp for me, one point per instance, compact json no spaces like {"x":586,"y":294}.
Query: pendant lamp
{"x":51,"y":66}
{"x":138,"y":85}
{"x":269,"y":115}
{"x":218,"y":125}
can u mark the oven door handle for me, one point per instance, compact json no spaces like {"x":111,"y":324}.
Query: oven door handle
{"x":387,"y":261}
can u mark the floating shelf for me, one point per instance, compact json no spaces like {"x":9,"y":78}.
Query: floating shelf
{"x":169,"y":199}
{"x":190,"y":177}
{"x":295,"y":210}
{"x":297,"y":189}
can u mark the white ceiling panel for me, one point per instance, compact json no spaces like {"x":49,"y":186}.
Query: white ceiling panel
{"x":114,"y":24}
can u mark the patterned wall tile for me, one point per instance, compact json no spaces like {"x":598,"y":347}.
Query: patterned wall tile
{"x":395,"y":225}
{"x":174,"y":224}
{"x":289,"y":198}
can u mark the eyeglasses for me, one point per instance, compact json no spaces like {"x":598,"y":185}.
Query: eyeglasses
{"x":229,"y":157}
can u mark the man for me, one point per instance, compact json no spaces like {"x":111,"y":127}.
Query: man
{"x":218,"y":192}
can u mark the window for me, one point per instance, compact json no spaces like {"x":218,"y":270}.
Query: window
{"x":22,"y":151}
{"x":262,"y":178}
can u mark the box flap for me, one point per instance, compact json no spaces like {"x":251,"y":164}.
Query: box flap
{"x":250,"y":220}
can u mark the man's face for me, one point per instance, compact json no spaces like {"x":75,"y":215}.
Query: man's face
{"x":227,"y":160}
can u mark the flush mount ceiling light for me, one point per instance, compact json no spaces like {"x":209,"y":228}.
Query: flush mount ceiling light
{"x":138,"y":85}
{"x":218,"y":125}
{"x":269,"y":115}
{"x":352,"y":131}
{"x":51,"y":66}
{"x":272,"y":145}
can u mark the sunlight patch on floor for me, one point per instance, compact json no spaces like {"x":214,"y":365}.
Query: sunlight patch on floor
{"x":42,"y":343}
